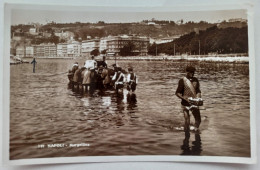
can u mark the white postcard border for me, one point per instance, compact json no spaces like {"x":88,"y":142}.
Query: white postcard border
{"x":6,"y":104}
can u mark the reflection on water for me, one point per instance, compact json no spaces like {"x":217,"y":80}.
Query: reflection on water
{"x":44,"y":111}
{"x":196,"y":147}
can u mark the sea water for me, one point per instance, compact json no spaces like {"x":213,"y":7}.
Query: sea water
{"x":47,"y":119}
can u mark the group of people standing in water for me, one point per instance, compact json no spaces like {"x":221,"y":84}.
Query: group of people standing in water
{"x":96,"y":75}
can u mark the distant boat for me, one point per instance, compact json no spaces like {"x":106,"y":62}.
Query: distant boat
{"x":16,"y":60}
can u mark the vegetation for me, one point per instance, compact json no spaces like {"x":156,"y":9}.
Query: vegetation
{"x":225,"y":37}
{"x":213,"y":40}
{"x":102,"y":29}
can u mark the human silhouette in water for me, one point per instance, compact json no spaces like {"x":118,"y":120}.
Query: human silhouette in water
{"x":196,"y":147}
{"x":34,"y":63}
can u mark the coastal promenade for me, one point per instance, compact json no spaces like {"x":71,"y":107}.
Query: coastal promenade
{"x":239,"y":58}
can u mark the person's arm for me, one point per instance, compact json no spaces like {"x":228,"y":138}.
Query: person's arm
{"x":114,"y":77}
{"x":198,"y":89}
{"x":181,"y":97}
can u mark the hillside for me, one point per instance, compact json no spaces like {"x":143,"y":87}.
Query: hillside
{"x":101,"y":29}
{"x":212,"y":40}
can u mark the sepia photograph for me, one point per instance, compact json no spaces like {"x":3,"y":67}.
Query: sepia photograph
{"x":115,"y":82}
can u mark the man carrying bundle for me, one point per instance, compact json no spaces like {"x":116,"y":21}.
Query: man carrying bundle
{"x":189,"y":89}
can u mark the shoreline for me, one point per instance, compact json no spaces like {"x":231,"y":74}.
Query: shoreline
{"x":230,"y":58}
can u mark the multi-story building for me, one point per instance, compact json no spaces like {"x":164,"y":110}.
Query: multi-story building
{"x":116,"y":43}
{"x":74,"y":49}
{"x":103,"y":44}
{"x":29,"y":51}
{"x":20,"y":51}
{"x":62,"y":49}
{"x":45,"y":50}
{"x":89,"y":45}
{"x":39,"y":51}
{"x":50,"y":50}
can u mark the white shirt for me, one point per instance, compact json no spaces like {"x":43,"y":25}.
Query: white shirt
{"x":121,"y":74}
{"x":129,"y":78}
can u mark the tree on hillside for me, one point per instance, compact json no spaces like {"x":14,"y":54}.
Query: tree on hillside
{"x":54,"y":39}
{"x":212,"y":40}
{"x":155,"y":49}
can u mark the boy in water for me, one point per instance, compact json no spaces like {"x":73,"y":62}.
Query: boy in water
{"x":189,"y":87}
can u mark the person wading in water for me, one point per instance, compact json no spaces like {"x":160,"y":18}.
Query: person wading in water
{"x":189,"y":87}
{"x":131,"y":81}
{"x":34,"y":63}
{"x":119,"y":79}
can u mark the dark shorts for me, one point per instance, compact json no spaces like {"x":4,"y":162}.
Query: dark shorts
{"x":131,"y":86}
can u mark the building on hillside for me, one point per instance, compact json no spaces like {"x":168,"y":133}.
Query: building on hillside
{"x":116,"y":43}
{"x":33,"y":31}
{"x":237,"y":20}
{"x":46,"y":34}
{"x":64,"y":35}
{"x":163,"y":40}
{"x":151,"y":23}
{"x":89,"y":45}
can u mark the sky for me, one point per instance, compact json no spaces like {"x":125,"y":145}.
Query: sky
{"x":116,"y":15}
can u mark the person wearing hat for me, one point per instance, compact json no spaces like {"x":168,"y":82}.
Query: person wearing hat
{"x":188,"y":87}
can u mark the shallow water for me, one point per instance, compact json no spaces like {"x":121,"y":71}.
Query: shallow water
{"x":44,"y":111}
